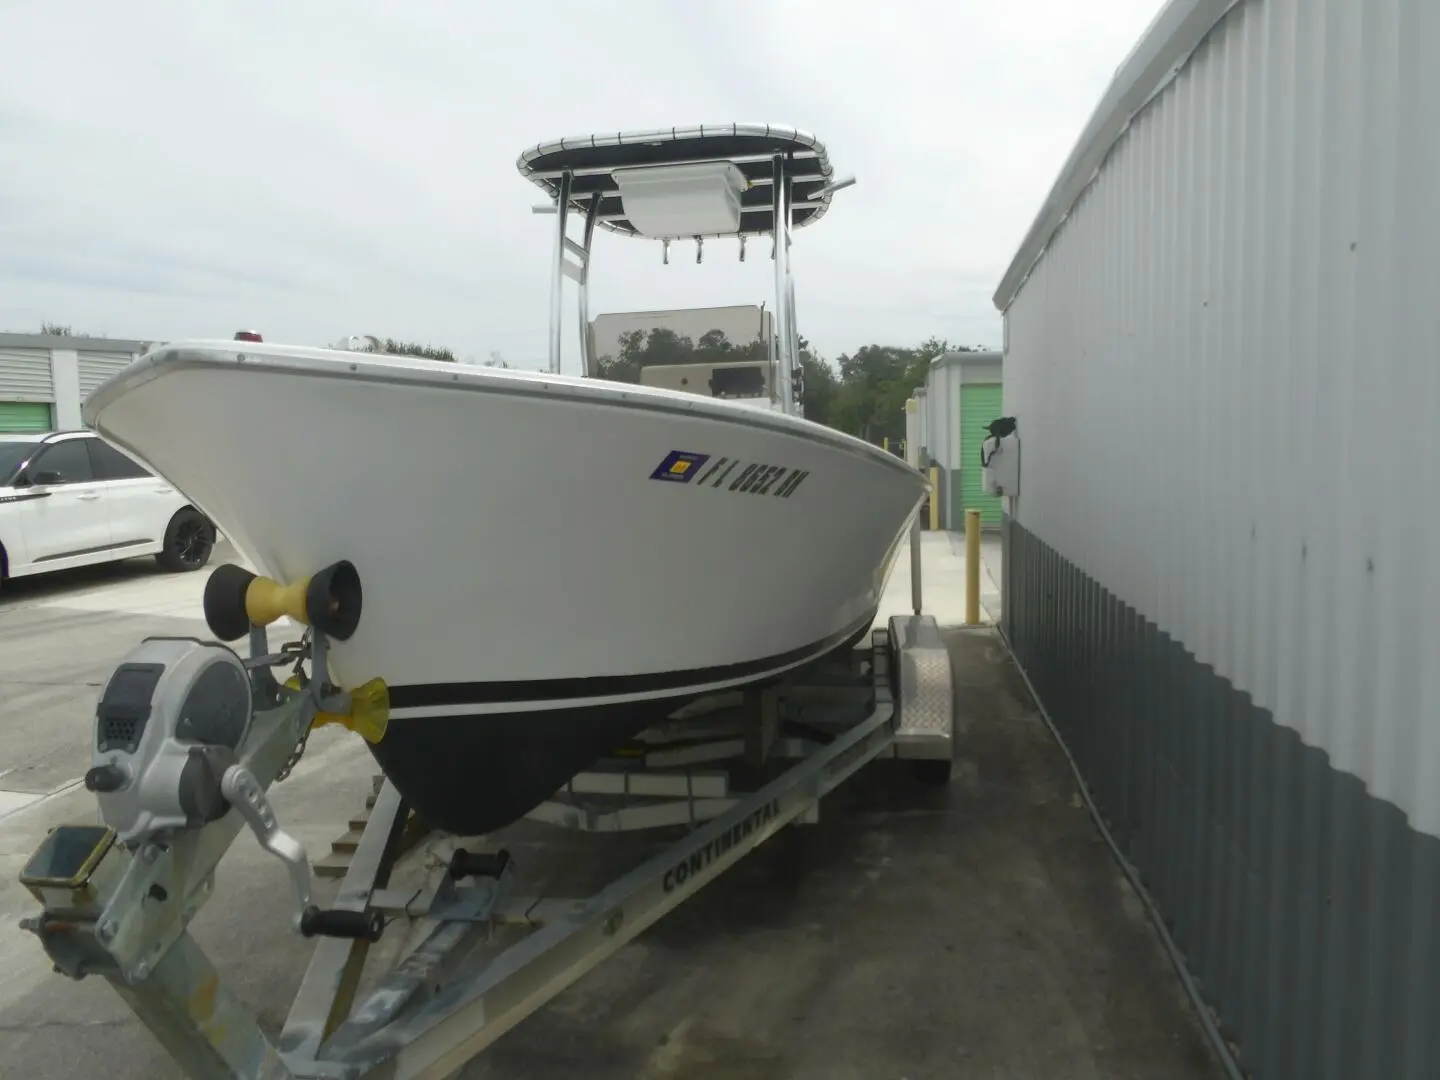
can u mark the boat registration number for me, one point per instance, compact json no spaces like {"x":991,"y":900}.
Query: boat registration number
{"x":732,"y":474}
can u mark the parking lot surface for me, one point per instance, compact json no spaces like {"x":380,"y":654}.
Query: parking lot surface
{"x":981,"y":931}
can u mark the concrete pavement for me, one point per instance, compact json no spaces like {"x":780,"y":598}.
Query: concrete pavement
{"x":60,"y":637}
{"x":942,"y":580}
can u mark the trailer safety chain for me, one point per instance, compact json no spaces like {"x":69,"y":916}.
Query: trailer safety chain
{"x":294,"y":758}
{"x":300,"y":650}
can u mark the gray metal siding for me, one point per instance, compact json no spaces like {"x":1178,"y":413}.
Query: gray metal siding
{"x":25,"y":375}
{"x":1220,"y":571}
{"x":1305,"y":908}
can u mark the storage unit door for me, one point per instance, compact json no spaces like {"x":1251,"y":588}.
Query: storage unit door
{"x":980,"y":403}
{"x":27,"y":388}
{"x":22,"y":417}
{"x":25,"y":375}
{"x":96,"y":367}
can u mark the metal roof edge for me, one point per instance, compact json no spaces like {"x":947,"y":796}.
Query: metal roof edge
{"x":80,"y":344}
{"x":963,"y":358}
{"x":1162,"y":53}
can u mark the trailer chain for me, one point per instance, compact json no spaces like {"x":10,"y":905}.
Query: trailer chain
{"x":300,"y":650}
{"x":294,"y":758}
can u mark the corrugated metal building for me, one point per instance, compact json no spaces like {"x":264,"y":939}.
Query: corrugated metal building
{"x":1223,"y":355}
{"x":963,"y":392}
{"x":44,"y":378}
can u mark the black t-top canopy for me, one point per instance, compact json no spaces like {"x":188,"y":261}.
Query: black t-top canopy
{"x":592,"y":160}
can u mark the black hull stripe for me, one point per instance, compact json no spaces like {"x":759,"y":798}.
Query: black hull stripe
{"x":435,"y":695}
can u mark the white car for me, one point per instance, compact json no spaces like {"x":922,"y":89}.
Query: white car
{"x":70,"y":499}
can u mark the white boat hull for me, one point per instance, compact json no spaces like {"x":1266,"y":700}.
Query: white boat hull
{"x":522,"y":544}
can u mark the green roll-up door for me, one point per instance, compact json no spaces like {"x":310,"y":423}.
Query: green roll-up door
{"x":23,"y":417}
{"x":980,"y":403}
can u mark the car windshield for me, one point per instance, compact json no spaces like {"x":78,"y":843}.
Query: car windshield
{"x":12,"y":456}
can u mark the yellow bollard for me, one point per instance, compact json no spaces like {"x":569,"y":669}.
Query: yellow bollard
{"x":934,"y":496}
{"x":972,"y":567}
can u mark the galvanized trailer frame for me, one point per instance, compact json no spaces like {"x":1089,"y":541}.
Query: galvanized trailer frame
{"x":122,"y":911}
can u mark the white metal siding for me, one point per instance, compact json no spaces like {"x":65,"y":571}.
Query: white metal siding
{"x":942,"y":398}
{"x":96,"y":367}
{"x":912,"y":432}
{"x":923,"y":428}
{"x":25,"y":375}
{"x":1226,"y":372}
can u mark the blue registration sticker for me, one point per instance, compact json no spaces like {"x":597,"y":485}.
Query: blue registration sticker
{"x":679,"y":466}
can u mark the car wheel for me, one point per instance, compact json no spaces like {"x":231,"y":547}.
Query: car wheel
{"x":189,"y":542}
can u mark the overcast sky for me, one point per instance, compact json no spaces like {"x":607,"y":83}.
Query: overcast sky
{"x":318,"y":168}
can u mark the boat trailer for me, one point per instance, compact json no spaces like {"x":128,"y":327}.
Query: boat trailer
{"x":187,"y":731}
